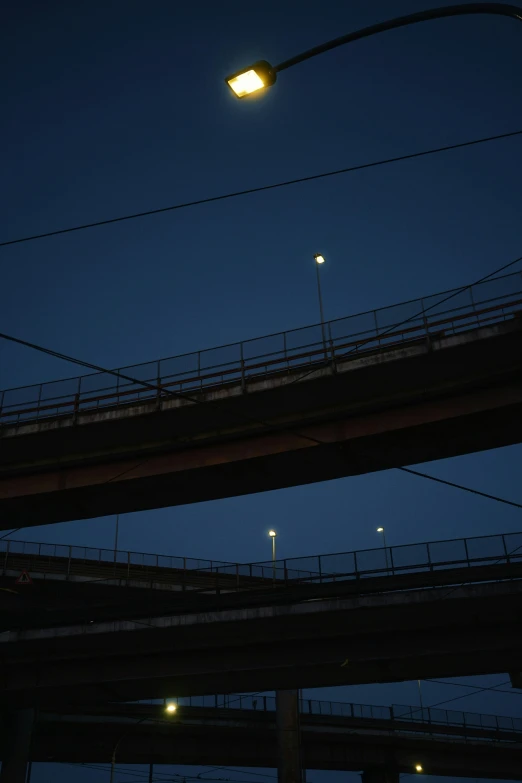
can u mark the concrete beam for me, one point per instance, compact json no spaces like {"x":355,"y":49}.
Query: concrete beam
{"x":375,"y":638}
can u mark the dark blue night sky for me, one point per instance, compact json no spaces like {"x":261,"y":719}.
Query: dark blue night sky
{"x":119,"y":107}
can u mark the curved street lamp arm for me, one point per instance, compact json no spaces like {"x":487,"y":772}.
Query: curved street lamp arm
{"x":500,"y":9}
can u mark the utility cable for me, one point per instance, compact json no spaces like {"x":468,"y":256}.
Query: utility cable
{"x":163,"y":776}
{"x":11,"y":533}
{"x":460,"y":486}
{"x":495,"y":688}
{"x":447,"y":701}
{"x":260,"y":189}
{"x":421,"y":313}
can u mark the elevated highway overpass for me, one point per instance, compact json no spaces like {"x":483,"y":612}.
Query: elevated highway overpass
{"x":413,"y":612}
{"x":334,"y":736}
{"x":423,"y":380}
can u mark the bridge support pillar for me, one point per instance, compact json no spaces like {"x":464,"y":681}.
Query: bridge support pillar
{"x":16,"y":745}
{"x":380,"y":775}
{"x":288,"y":737}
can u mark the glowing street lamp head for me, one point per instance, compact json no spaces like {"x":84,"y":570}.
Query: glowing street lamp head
{"x":251,"y":79}
{"x":380,"y":530}
{"x":171,"y":708}
{"x":319,"y":259}
{"x":272,"y":533}
{"x":418,"y":767}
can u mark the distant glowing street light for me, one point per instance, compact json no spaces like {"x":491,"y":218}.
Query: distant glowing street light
{"x":319,"y":258}
{"x":171,"y":708}
{"x":418,"y":767}
{"x":261,"y":74}
{"x":251,"y":79}
{"x":273,"y":536}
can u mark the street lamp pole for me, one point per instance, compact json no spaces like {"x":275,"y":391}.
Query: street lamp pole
{"x":116,"y":536}
{"x":273,"y":536}
{"x":261,"y":74}
{"x":381,"y":530}
{"x":319,"y":260}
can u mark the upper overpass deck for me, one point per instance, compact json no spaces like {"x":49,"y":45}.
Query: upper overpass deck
{"x":424,"y":380}
{"x":239,"y":364}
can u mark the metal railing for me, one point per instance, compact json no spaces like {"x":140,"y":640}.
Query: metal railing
{"x":428,"y":716}
{"x":381,"y":561}
{"x":483,"y":304}
{"x":65,"y":554}
{"x":377,"y":562}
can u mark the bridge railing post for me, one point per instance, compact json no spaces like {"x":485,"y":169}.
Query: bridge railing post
{"x":377,"y":328}
{"x":242,"y":362}
{"x":506,"y":553}
{"x":426,"y":325}
{"x":473,"y":305}
{"x":158,"y":385}
{"x":38,"y":401}
{"x":69,"y":562}
{"x":465,"y":542}
{"x":331,"y":345}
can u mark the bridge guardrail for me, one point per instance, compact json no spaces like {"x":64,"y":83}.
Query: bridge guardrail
{"x":429,"y":716}
{"x":485,"y":303}
{"x":93,"y":555}
{"x":376,"y":562}
{"x":382,"y":561}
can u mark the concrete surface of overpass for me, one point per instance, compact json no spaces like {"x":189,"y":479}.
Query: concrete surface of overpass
{"x":335,"y":736}
{"x":420,"y":381}
{"x":312,"y":628}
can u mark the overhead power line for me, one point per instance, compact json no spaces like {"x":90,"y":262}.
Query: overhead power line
{"x":460,"y":486}
{"x":260,"y":189}
{"x":455,"y":698}
{"x":495,"y":688}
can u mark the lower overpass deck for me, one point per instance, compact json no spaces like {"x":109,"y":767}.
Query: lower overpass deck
{"x":444,"y":608}
{"x":304,"y":642}
{"x":348,"y":737}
